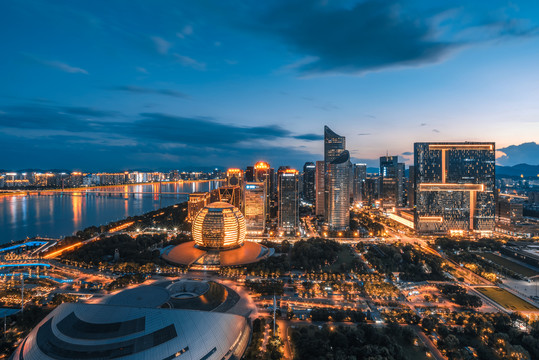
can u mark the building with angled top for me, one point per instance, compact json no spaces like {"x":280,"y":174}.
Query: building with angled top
{"x":337,"y":181}
{"x":454,"y":187}
{"x":309,"y":180}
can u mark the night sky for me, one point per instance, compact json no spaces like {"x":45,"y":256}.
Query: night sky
{"x":116,"y":85}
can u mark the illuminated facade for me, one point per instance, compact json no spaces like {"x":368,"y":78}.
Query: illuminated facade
{"x":219,"y":226}
{"x":196,"y":202}
{"x":320,"y":176}
{"x":337,"y":181}
{"x":391,"y":181}
{"x":454,"y":187}
{"x":309,"y":177}
{"x":288,"y":201}
{"x":338,"y":185}
{"x":234,"y":177}
{"x":255,"y":207}
{"x":263,"y":174}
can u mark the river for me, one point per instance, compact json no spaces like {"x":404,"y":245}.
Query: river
{"x":57,"y":215}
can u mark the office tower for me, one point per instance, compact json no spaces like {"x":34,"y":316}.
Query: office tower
{"x":338,"y":173}
{"x":320,"y":188}
{"x":455,"y":190}
{"x":288,"y":200}
{"x":509,"y":210}
{"x":234,"y":177}
{"x":359,"y":175}
{"x":411,"y":186}
{"x":391,"y":181}
{"x":371,"y":192}
{"x":337,"y":180}
{"x":250,"y":174}
{"x":334,"y":145}
{"x":309,"y":177}
{"x":255,"y":207}
{"x":263,"y":174}
{"x":196,"y":202}
{"x":231,"y":195}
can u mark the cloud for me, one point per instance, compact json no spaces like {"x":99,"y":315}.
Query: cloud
{"x":186,"y":31}
{"x":140,"y":69}
{"x":143,"y":90}
{"x":190,"y":62}
{"x":423,"y":124}
{"x":525,"y":153}
{"x":309,"y":137}
{"x":363,"y":134}
{"x":57,"y":65}
{"x":161,"y":45}
{"x":435,"y":130}
{"x":407,"y":153}
{"x":354,"y":38}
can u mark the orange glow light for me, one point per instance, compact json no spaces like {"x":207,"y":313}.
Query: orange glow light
{"x":262,"y":165}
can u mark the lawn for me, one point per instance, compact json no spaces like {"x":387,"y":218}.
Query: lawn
{"x":513,"y":266}
{"x":345,"y":256}
{"x":506,"y":299}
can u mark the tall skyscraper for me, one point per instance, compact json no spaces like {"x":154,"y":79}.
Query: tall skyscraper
{"x":234,"y":177}
{"x":263,"y":174}
{"x":250,"y":174}
{"x":338,"y":174}
{"x":392,"y":181}
{"x":337,"y":180}
{"x":287,"y":189}
{"x":309,"y":178}
{"x":411,"y":186}
{"x":455,"y":187}
{"x":320,"y":188}
{"x":255,"y":207}
{"x":359,"y":175}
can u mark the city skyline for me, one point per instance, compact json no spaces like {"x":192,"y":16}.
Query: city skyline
{"x":228,"y":85}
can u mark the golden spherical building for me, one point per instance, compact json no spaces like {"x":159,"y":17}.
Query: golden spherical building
{"x":218,"y":240}
{"x":219,"y":226}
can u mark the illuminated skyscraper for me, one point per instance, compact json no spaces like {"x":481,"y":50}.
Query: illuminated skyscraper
{"x":287,"y":189}
{"x":320,"y":188}
{"x":309,"y":175}
{"x":337,"y":181}
{"x":255,"y":207}
{"x":338,"y":173}
{"x":392,"y":181}
{"x":455,"y":190}
{"x":263,"y":174}
{"x":234,"y":177}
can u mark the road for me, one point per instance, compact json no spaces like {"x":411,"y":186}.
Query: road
{"x":429,"y":344}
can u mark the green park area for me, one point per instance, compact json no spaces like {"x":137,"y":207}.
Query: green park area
{"x":511,"y":265}
{"x":506,"y":299}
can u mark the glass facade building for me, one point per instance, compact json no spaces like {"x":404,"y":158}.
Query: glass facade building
{"x":288,"y":201}
{"x":255,"y":207}
{"x":391,"y":181}
{"x":359,"y":175}
{"x":320,"y":188}
{"x":338,"y":173}
{"x":309,"y":175}
{"x":454,"y":187}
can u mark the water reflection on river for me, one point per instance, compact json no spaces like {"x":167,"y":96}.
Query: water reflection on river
{"x":57,"y":215}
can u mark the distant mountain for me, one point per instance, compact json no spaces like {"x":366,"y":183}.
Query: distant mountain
{"x":517,"y":170}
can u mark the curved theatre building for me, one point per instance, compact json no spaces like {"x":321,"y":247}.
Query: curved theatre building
{"x":129,"y":331}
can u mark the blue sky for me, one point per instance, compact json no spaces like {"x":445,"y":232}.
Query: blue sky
{"x":180,"y":84}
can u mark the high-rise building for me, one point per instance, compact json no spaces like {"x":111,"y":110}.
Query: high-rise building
{"x":391,"y":181}
{"x":320,"y":188}
{"x":411,"y":186}
{"x":234,"y":177}
{"x":338,"y":173}
{"x":309,"y":177}
{"x":359,"y":175}
{"x":196,"y":202}
{"x":337,"y":180}
{"x":455,"y":187}
{"x":287,"y":189}
{"x":263,"y":174}
{"x":255,"y":207}
{"x":250,"y":174}
{"x":371,"y":192}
